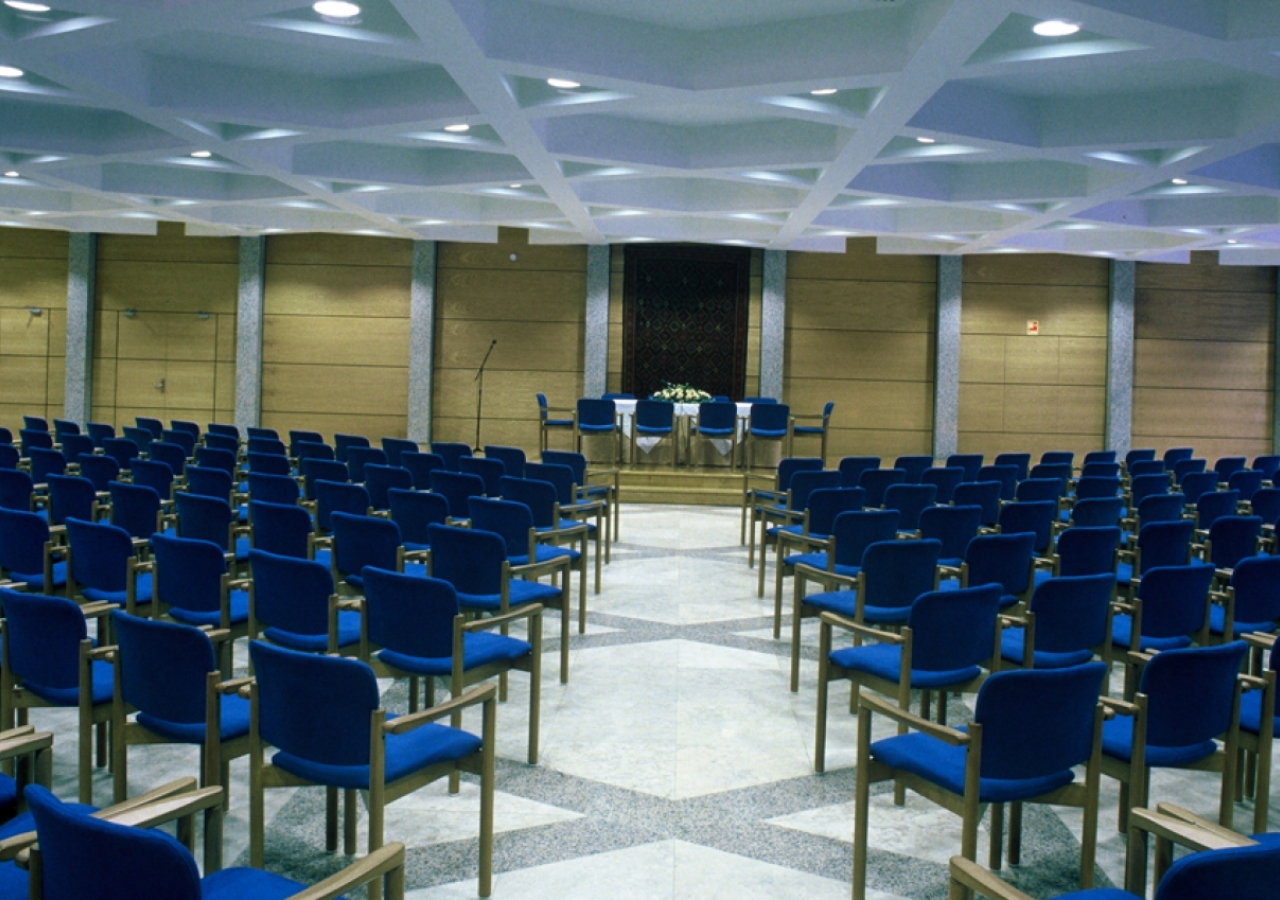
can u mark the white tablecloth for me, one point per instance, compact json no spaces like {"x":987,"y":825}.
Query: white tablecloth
{"x":626,"y":409}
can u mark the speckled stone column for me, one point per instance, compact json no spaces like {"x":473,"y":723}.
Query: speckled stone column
{"x":82,"y":264}
{"x":595,"y":357}
{"x":1119,"y":422}
{"x":1275,"y":380}
{"x":946,"y":379}
{"x":253,"y":253}
{"x":422,"y":336}
{"x":773,"y":320}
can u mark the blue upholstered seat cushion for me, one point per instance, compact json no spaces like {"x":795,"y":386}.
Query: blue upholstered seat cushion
{"x":1218,"y":621}
{"x":560,"y":422}
{"x":478,"y":649}
{"x":35,"y":580}
{"x":239,"y":611}
{"x":543,"y":552}
{"x":819,"y":561}
{"x":141,"y":595}
{"x":1122,"y":636}
{"x":406,"y":753}
{"x":1013,"y":644}
{"x":1117,"y":742}
{"x":943,"y":765}
{"x":234,"y":722}
{"x":518,"y":594}
{"x":247,"y":884}
{"x":101,"y":674}
{"x":1124,"y":573}
{"x":843,"y":603}
{"x":885,"y":661}
{"x":348,"y":634}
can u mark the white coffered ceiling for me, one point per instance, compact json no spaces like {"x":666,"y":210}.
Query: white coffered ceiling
{"x":695,"y":120}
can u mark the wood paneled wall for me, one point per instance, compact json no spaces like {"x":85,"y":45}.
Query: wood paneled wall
{"x":174,"y":358}
{"x":755,"y":288}
{"x":335,"y":334}
{"x":1204,"y":357}
{"x":860,"y":332}
{"x":532,"y":300}
{"x":1020,"y":392}
{"x":33,"y":349}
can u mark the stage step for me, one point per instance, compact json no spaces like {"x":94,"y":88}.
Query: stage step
{"x":698,"y":487}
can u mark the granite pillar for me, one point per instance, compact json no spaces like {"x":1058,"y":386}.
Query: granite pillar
{"x":773,"y":319}
{"x":946,"y":382}
{"x":1119,"y":418}
{"x":595,"y":357}
{"x":422,"y":336}
{"x":82,"y":263}
{"x":253,"y":253}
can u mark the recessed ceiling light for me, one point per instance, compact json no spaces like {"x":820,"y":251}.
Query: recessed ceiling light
{"x":925,"y":140}
{"x":11,"y":72}
{"x":336,"y":9}
{"x":21,"y":6}
{"x":1231,"y":240}
{"x":516,"y":186}
{"x":563,"y":83}
{"x":1179,"y":181}
{"x":201,"y":154}
{"x":10,"y":174}
{"x":458,"y":128}
{"x":1055,"y":28}
{"x":823,"y":92}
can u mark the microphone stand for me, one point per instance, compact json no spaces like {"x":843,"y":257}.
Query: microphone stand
{"x":479,"y":379}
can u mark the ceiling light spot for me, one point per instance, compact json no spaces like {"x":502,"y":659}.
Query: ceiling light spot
{"x":458,"y":127}
{"x":563,"y":83}
{"x":201,"y":154}
{"x":516,"y":186}
{"x":927,"y":140}
{"x":1055,"y":28}
{"x":823,"y":92}
{"x":1231,"y":240}
{"x":336,"y":9}
{"x":11,"y":72}
{"x":1179,"y":181}
{"x":10,"y":174}
{"x":22,"y":6}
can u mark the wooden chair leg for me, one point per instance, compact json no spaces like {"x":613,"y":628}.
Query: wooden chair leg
{"x":996,"y":827}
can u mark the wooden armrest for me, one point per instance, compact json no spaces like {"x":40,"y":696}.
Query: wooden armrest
{"x":473,"y":697}
{"x":351,"y":604}
{"x":362,"y":871}
{"x":103,"y":654}
{"x":949,"y":570}
{"x":98,"y":609}
{"x":420,"y":555}
{"x":143,"y":566}
{"x":19,"y":741}
{"x":911,"y":720}
{"x":539,"y":568}
{"x":1186,"y":829}
{"x":875,"y":634}
{"x":580,"y":528}
{"x":815,"y":574}
{"x":1122,"y":707}
{"x":983,"y":881}
{"x":1013,"y":621}
{"x":1260,"y":640}
{"x":234,"y":685}
{"x":1252,"y":682}
{"x":794,"y":537}
{"x":529,"y":611}
{"x":1122,"y":607}
{"x":240,"y":583}
{"x":176,"y":807}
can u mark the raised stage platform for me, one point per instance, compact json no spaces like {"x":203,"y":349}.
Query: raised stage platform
{"x":701,"y":487}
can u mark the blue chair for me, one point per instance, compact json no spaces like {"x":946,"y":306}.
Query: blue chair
{"x":45,"y":463}
{"x":1100,"y":456}
{"x":314,"y":470}
{"x":155,"y":475}
{"x":475,"y":563}
{"x":136,"y":508}
{"x":28,"y":555}
{"x":1003,"y":559}
{"x":1057,"y":457}
{"x":1247,"y":481}
{"x":1196,"y":484}
{"x":1252,"y":600}
{"x":34,"y":439}
{"x":1214,"y":505}
{"x":99,"y":432}
{"x":546,"y":422}
{"x":819,"y":431}
{"x":1158,"y":544}
{"x":394,"y":447}
{"x":1059,"y":470}
{"x":451,"y":452}
{"x":332,"y":496}
{"x":1067,"y":622}
{"x":359,"y":457}
{"x":17,"y":491}
{"x":1267,"y":465}
{"x":251,"y":432}
{"x":765,"y":422}
{"x":1184,"y":467}
{"x":852,"y":467}
{"x":378,"y":480}
{"x":1257,"y":727}
{"x":788,"y":511}
{"x":544,"y":507}
{"x":212,"y":519}
{"x":195,"y":588}
{"x":285,"y":529}
{"x":909,"y":500}
{"x":985,"y":494}
{"x":1007,"y":475}
{"x":142,"y":437}
{"x":1100,"y":470}
{"x":1230,"y":540}
{"x":1091,"y":487}
{"x":1095,"y":512}
{"x":876,"y":481}
{"x":969,"y":463}
{"x":268,"y":464}
{"x":213,"y":458}
{"x":573,"y":508}
{"x":363,"y":541}
{"x":595,"y":418}
{"x":1141,"y":454}
{"x":210,"y":482}
{"x":947,"y":639}
{"x":103,"y":567}
{"x":1226,"y":466}
{"x":154,"y":426}
{"x":1030,"y":729}
{"x":1266,"y":503}
{"x":70,"y":495}
{"x":75,"y":444}
{"x":35,"y":423}
{"x":413,"y":511}
{"x":9,"y":456}
{"x":1086,"y":550}
{"x":489,"y":470}
{"x":172,"y":455}
{"x":512,"y":459}
{"x":302,"y":450}
{"x":1169,"y":610}
{"x":273,"y":448}
{"x":1020,"y":460}
{"x":101,"y":470}
{"x":457,"y":488}
{"x":653,"y":420}
{"x":224,"y":442}
{"x":422,"y":633}
{"x":274,"y":488}
{"x":47,"y":660}
{"x":755,"y":495}
{"x":420,"y":466}
{"x":343,"y":442}
{"x":954,"y":526}
{"x":1157,"y":508}
{"x":914,"y":466}
{"x":1035,"y":516}
{"x":945,"y":480}
{"x":587,"y":490}
{"x":222,"y":428}
{"x":811,"y":535}
{"x":292,"y":603}
{"x":298,"y":436}
{"x":324,"y":718}
{"x":184,"y":439}
{"x":717,"y":423}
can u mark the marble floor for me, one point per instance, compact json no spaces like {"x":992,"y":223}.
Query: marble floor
{"x":675,"y":764}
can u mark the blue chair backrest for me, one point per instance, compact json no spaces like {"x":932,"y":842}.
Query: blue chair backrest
{"x":512,"y":458}
{"x":420,"y":466}
{"x":193,"y":428}
{"x":100,"y":431}
{"x":1215,"y":505}
{"x":290,"y":593}
{"x":1037,"y":722}
{"x":100,"y":470}
{"x":969,"y":462}
{"x":22,"y":539}
{"x":379,"y":479}
{"x":164,"y":667}
{"x":99,"y":554}
{"x":1100,"y":470}
{"x":343,"y":442}
{"x":596,"y":414}
{"x":1251,"y":871}
{"x":507,"y":518}
{"x":204,"y":518}
{"x":1143,"y":454}
{"x":65,"y":427}
{"x":852,"y":467}
{"x":953,"y":526}
{"x":1256,"y":583}
{"x":263,"y":446}
{"x":75,"y":444}
{"x":914,"y":466}
{"x":134,"y":507}
{"x":1021,"y":460}
{"x":1007,"y":475}
{"x":979,"y":493}
{"x":1143,"y":486}
{"x":413,"y":511}
{"x":617,"y":395}
{"x":1038,"y":489}
{"x":313,"y":706}
{"x":1100,"y":456}
{"x":273,"y":488}
{"x":803,"y":484}
{"x":468,"y":558}
{"x":312,"y":450}
{"x":1189,"y":693}
{"x":1165,"y":543}
{"x":953,"y":630}
{"x":895,"y":573}
{"x":393,"y":447}
{"x":1267,"y":465}
{"x":769,"y":419}
{"x":1161,"y":508}
{"x":9,"y":456}
{"x":213,"y":458}
{"x":209,"y":482}
{"x":1147,"y":467}
{"x":32,"y":438}
{"x":142,"y":437}
{"x":450,"y":452}
{"x":45,"y":463}
{"x":15,"y":489}
{"x":560,"y":476}
{"x":1003,"y":559}
{"x":155,"y":475}
{"x":68,"y":496}
{"x":1185,"y":467}
{"x":358,"y":457}
{"x":1059,"y":470}
{"x":856,"y":530}
{"x":1057,"y":457}
{"x":1196,"y":484}
{"x":1234,"y":538}
{"x":1035,"y":516}
{"x":717,"y":417}
{"x":1097,"y":511}
{"x":224,"y":429}
{"x":909,"y":500}
{"x":44,"y":639}
{"x":335,"y":496}
{"x":155,"y":426}
{"x":410,"y":615}
{"x":122,"y":450}
{"x":876,"y":481}
{"x":269,"y":463}
{"x":457,"y":488}
{"x":1228,"y":465}
{"x":224,"y":443}
{"x":171,"y":455}
{"x":489,"y":470}
{"x":1266,"y":503}
{"x":1071,"y":612}
{"x":826,"y":503}
{"x":1094,"y":486}
{"x":1174,"y":599}
{"x":655,"y":416}
{"x":360,"y":541}
{"x":314,"y":470}
{"x":251,"y":432}
{"x":1247,"y":481}
{"x":789,"y":466}
{"x":188,"y":572}
{"x":297,"y":437}
{"x":540,"y":496}
{"x":944,"y":479}
{"x":1088,"y":550}
{"x":280,"y":528}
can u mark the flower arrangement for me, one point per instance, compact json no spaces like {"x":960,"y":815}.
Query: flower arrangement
{"x":680,"y":393}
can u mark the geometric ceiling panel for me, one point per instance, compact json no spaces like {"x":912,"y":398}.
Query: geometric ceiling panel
{"x":935,"y":125}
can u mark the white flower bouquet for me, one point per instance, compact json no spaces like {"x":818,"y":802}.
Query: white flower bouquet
{"x":680,"y":393}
